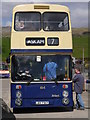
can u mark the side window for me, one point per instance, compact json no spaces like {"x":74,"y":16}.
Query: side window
{"x":66,"y":67}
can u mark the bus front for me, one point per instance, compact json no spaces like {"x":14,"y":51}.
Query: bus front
{"x":41,"y":49}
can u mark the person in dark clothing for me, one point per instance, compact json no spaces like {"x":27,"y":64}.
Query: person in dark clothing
{"x":8,"y":59}
{"x":78,"y":80}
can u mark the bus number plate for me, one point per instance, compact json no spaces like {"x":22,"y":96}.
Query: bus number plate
{"x":42,"y":102}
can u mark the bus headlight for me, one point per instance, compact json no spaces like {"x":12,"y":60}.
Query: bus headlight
{"x":65,"y":101}
{"x":18,"y":101}
{"x":18,"y":94}
{"x":65,"y":93}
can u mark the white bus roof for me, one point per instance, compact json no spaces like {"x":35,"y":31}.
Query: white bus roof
{"x":41,"y":7}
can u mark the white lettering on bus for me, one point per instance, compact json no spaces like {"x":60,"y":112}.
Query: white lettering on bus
{"x":35,"y":42}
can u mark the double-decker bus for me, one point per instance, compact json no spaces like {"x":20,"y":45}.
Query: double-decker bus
{"x":41,"y":63}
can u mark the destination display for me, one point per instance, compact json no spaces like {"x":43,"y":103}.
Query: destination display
{"x":53,"y":41}
{"x":35,"y":41}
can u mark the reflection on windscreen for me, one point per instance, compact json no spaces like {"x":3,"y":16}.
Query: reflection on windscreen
{"x":40,"y":68}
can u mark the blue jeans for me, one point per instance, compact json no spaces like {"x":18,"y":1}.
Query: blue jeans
{"x":79,"y":101}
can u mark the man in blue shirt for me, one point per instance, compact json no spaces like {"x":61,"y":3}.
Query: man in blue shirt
{"x":50,"y":70}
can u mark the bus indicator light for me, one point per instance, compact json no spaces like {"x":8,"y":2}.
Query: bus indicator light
{"x":65,"y":86}
{"x":18,"y":86}
{"x":68,"y":79}
{"x":44,"y":78}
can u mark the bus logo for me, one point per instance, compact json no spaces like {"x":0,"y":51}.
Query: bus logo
{"x":42,"y":87}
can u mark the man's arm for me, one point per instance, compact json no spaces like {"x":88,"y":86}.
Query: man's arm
{"x":44,"y":69}
{"x":75,"y":78}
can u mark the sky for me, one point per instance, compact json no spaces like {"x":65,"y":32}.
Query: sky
{"x":78,"y":10}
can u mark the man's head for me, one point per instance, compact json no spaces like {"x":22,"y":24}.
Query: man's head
{"x":77,"y":69}
{"x":49,"y":60}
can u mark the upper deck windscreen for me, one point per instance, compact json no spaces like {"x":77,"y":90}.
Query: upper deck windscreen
{"x":35,"y":21}
{"x":27,"y":21}
{"x":56,"y":21}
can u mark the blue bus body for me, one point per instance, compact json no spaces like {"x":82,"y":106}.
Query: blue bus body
{"x":42,"y":95}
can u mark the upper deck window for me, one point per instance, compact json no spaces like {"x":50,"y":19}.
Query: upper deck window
{"x":56,"y":21}
{"x":27,"y":21}
{"x":48,"y":21}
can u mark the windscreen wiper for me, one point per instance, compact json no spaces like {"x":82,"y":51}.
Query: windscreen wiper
{"x":31,"y":79}
{"x":26,"y":76}
{"x":56,"y":80}
{"x":23,"y":74}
